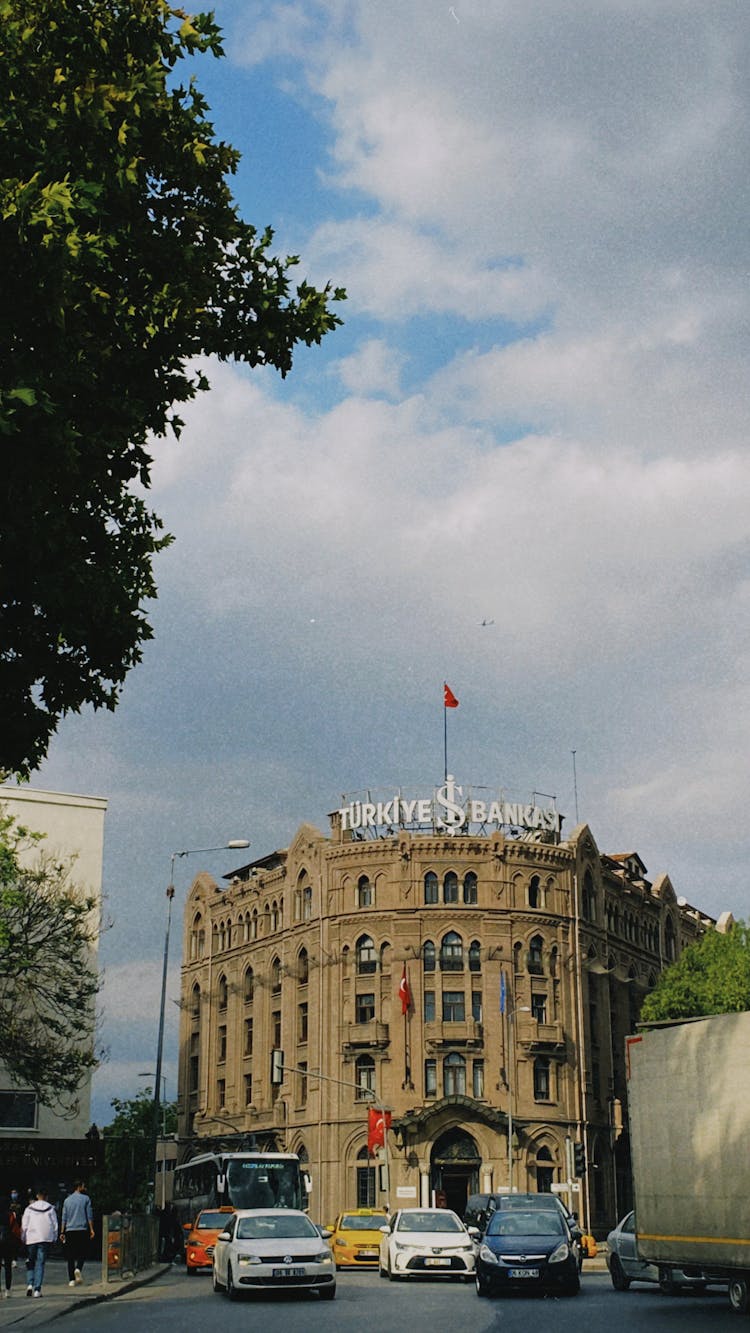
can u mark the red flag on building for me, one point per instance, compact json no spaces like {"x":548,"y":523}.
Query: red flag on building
{"x":449,"y":698}
{"x":404,"y":992}
{"x":377,"y":1124}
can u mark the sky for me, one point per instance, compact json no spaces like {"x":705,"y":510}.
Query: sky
{"x":535,"y":415}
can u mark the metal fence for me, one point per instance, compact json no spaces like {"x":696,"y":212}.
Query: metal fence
{"x":130,"y":1243}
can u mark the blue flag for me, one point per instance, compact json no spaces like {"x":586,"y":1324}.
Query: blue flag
{"x":502,"y":990}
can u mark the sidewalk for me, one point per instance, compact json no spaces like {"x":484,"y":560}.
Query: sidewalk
{"x":58,"y":1298}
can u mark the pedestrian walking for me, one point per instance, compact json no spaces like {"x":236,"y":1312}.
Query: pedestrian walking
{"x":76,"y":1231}
{"x":10,"y":1243}
{"x":38,"y":1233}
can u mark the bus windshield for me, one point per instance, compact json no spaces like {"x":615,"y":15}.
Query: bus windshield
{"x":264,"y":1184}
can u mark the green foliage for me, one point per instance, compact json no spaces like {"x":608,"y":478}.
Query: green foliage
{"x":123,"y":257}
{"x":48,"y":978}
{"x":711,"y":976}
{"x":126,"y":1181}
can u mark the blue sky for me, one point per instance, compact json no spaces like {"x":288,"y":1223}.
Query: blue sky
{"x":536,"y":413}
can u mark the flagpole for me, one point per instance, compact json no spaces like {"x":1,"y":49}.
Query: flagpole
{"x":445,"y":741}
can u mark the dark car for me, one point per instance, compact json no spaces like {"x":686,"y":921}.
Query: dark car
{"x":480,"y":1208}
{"x":529,"y":1249}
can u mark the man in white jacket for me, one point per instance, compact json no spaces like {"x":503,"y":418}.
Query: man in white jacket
{"x":38,"y":1233}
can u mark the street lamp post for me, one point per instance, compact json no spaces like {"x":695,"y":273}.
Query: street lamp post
{"x":512,"y":1011}
{"x":235,"y":844}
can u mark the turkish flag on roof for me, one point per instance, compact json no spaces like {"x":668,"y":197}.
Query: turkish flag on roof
{"x":449,"y":698}
{"x":404,"y":992}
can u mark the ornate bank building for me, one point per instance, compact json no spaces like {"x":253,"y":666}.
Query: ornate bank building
{"x":450,"y":959}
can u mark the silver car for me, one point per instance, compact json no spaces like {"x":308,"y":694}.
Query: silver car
{"x":625,"y":1265}
{"x":273,"y":1249}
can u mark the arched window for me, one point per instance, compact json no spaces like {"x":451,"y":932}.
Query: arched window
{"x":544,"y":1171}
{"x":428,"y":956}
{"x":223,"y":992}
{"x":454,"y":1075}
{"x":366,"y":955}
{"x":249,"y":986}
{"x":541,"y":1079}
{"x":275,"y":976}
{"x":669,"y":940}
{"x":364,"y":1066}
{"x":274,"y":915}
{"x":450,"y":887}
{"x":535,"y":892}
{"x":303,"y":967}
{"x":451,"y":953}
{"x":254,"y":924}
{"x":195,"y":1003}
{"x":535,"y":964}
{"x":197,"y":937}
{"x":430,"y":887}
{"x":475,"y":956}
{"x":588,"y":898}
{"x":364,"y":892}
{"x":307,"y":904}
{"x":365,"y":1180}
{"x":470,"y":888}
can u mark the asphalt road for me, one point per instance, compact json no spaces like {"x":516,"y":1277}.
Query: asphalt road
{"x":176,"y":1304}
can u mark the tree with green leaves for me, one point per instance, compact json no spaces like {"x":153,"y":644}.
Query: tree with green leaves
{"x":123,"y":258}
{"x":48,"y":975}
{"x":711,"y":976}
{"x":126,"y":1180}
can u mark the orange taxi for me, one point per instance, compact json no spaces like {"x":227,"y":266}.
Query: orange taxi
{"x":355,"y":1237}
{"x":200,"y":1239}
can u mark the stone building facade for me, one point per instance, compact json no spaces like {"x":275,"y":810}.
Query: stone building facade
{"x":527,"y":959}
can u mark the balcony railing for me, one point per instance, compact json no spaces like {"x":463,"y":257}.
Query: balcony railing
{"x":371,"y":1033}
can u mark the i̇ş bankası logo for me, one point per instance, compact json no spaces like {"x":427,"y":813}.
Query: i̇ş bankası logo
{"x":449,"y":811}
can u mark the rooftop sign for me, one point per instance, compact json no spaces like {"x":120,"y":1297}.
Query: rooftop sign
{"x":450,"y":809}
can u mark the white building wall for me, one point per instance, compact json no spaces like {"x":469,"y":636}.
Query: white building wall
{"x":74,"y":827}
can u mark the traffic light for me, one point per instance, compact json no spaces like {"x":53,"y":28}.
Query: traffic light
{"x":277,"y":1067}
{"x":579,"y":1159}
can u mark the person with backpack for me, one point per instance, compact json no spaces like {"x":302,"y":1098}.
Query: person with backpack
{"x":10,"y":1242}
{"x":38,"y":1233}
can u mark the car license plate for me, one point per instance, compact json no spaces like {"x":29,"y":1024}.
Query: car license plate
{"x":368,"y":1254}
{"x":288,"y":1272}
{"x":523,"y":1272}
{"x":438,"y":1263}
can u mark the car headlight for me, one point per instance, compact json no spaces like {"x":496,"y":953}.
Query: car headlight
{"x":245,"y":1259}
{"x":559,"y":1255}
{"x":400,"y":1245}
{"x":339,"y":1242}
{"x":487,"y":1255}
{"x":325,"y":1257}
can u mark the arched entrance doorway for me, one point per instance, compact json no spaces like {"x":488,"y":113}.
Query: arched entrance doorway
{"x":454,"y":1169}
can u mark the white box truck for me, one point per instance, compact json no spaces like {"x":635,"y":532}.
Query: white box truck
{"x":689,"y":1112}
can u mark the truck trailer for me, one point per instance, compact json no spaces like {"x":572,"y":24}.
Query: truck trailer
{"x":689,"y":1113}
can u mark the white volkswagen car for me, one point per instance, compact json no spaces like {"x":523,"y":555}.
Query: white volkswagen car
{"x":427,"y":1241}
{"x":273,"y":1249}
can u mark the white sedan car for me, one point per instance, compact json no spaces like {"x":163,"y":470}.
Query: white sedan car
{"x":427,"y":1240}
{"x":273,"y":1249}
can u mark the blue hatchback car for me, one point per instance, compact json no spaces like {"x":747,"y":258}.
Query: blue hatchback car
{"x":529,"y":1250}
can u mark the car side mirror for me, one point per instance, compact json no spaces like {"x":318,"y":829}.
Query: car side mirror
{"x":325,"y":1233}
{"x":224,"y":1235}
{"x":187,"y":1226}
{"x":474,"y":1232}
{"x":385,"y":1230}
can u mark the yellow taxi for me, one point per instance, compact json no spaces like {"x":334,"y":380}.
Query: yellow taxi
{"x":200,"y":1239}
{"x":355,"y":1237}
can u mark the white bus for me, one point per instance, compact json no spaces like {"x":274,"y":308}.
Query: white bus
{"x":239,"y":1180}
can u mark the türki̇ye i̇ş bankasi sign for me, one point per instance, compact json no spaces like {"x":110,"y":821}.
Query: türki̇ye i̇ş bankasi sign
{"x":449,"y":810}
